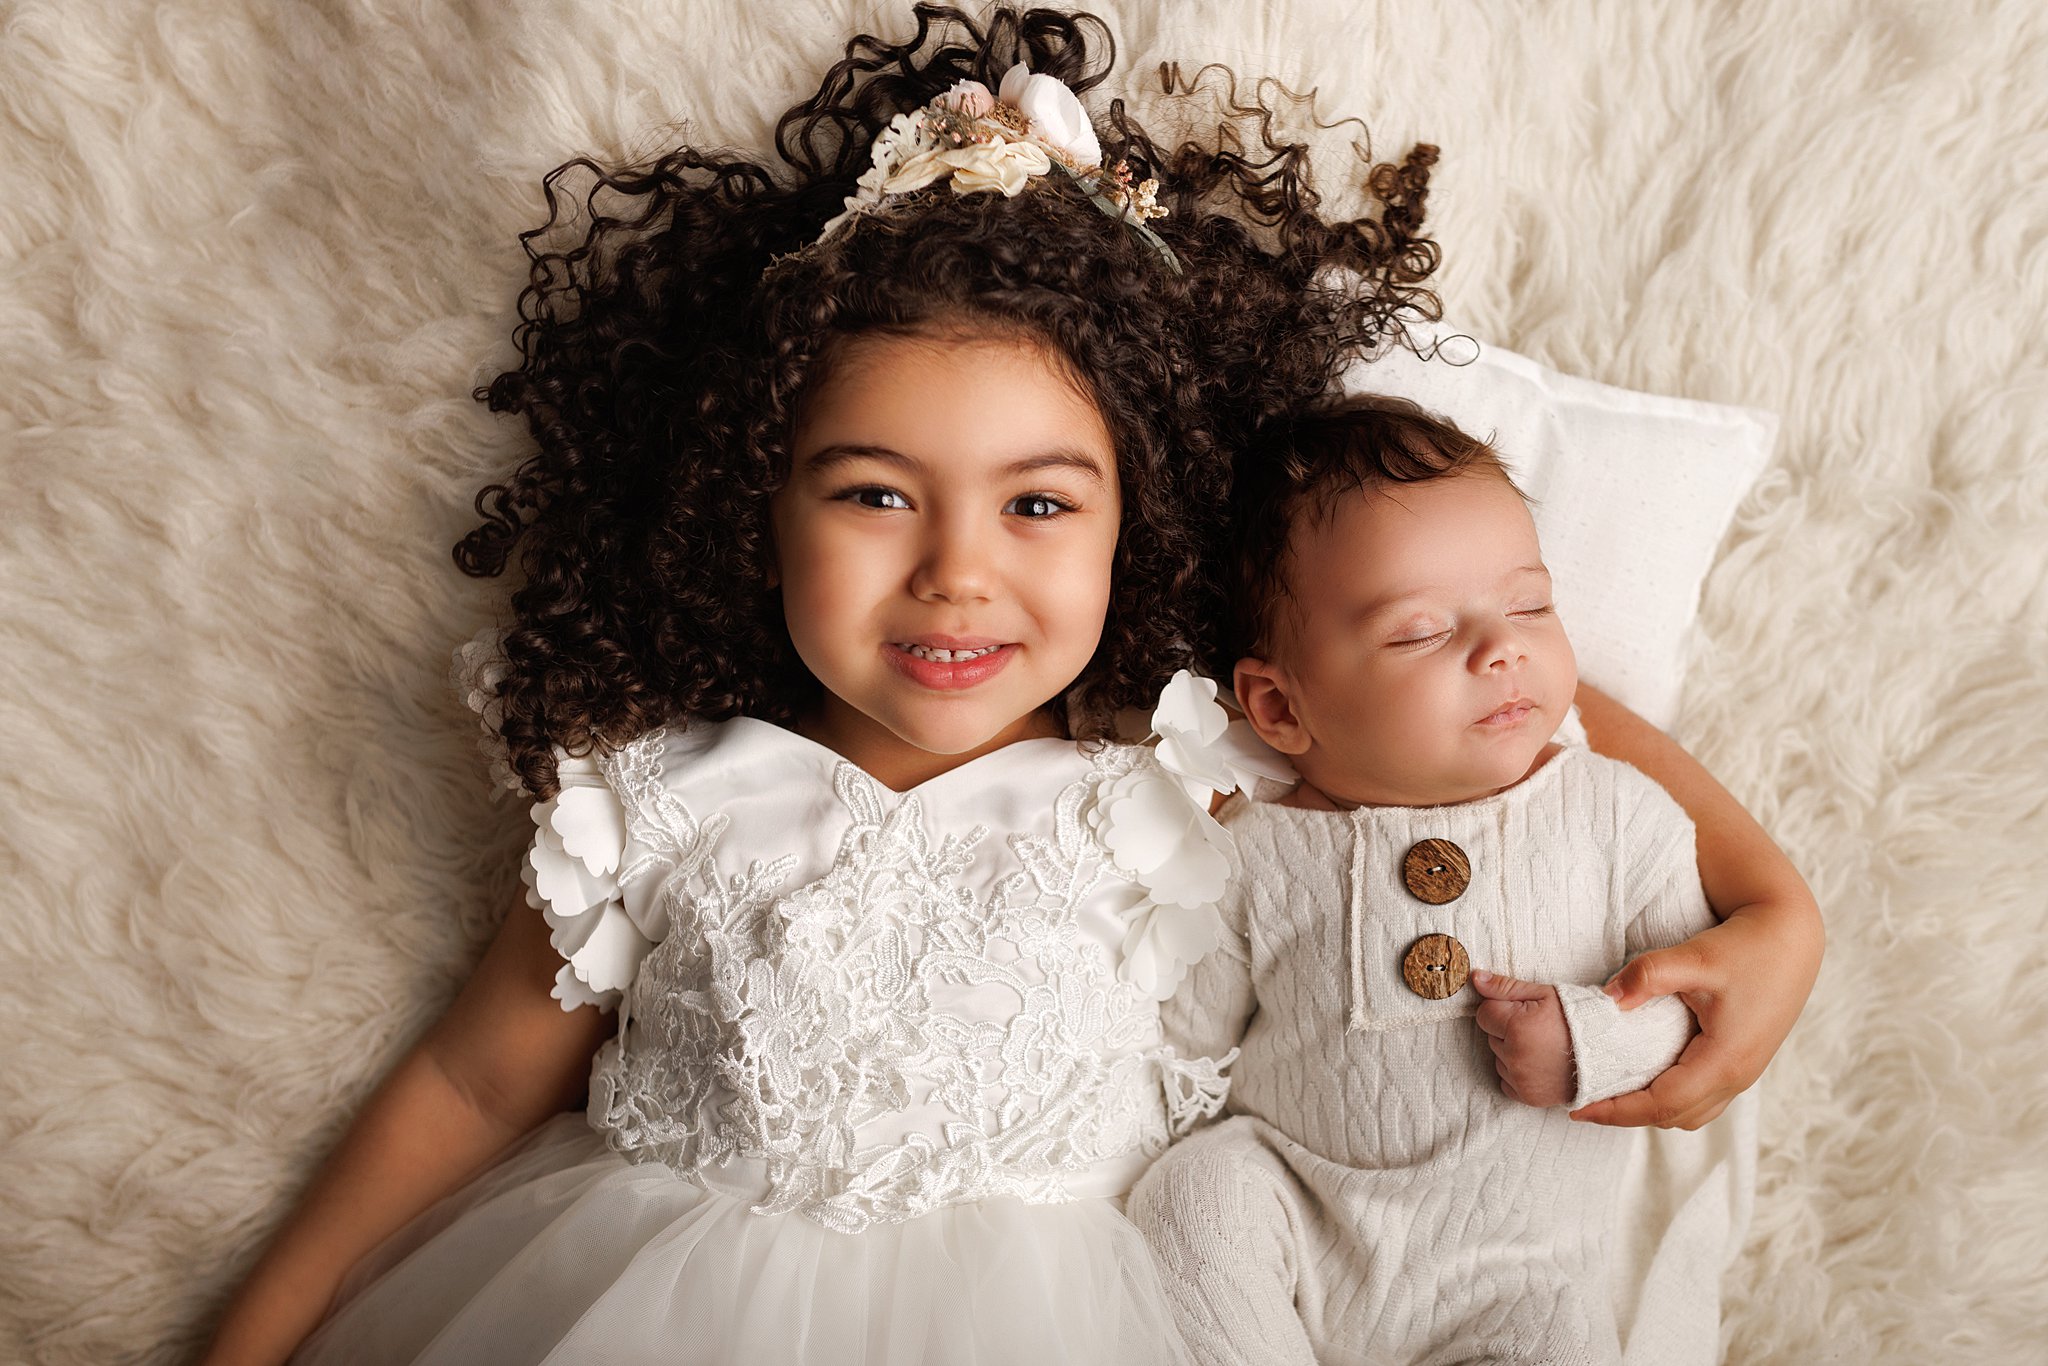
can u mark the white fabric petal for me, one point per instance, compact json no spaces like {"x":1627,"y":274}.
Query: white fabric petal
{"x":1204,"y":769}
{"x":1011,"y":92}
{"x":1250,"y":758}
{"x":1188,"y":708}
{"x":609,"y":958}
{"x":592,"y":825}
{"x":1199,"y":871}
{"x":571,"y":874}
{"x":571,"y":992}
{"x":1163,"y":941}
{"x":563,"y":881}
{"x":1145,"y":820}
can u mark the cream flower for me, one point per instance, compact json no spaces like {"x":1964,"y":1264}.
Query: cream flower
{"x":1057,"y":118}
{"x":1003,"y":166}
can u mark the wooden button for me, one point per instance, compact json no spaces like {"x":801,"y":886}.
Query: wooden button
{"x":1436,"y":967}
{"x":1437,"y":871}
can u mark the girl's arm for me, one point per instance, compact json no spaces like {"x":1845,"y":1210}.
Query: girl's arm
{"x":1747,"y":978}
{"x":504,"y":1058}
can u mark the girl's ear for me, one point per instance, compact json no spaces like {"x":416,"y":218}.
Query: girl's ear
{"x":1262,"y":693}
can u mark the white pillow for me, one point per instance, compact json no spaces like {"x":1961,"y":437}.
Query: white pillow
{"x":1632,"y":494}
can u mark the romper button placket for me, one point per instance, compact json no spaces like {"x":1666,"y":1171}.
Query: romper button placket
{"x":1436,"y":871}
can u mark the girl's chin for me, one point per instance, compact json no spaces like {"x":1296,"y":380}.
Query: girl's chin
{"x":962,"y":736}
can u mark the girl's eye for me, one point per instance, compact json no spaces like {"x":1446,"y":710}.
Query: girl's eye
{"x":874,"y":496}
{"x":1037,"y":506}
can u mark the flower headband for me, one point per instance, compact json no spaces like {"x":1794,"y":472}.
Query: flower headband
{"x":981,"y":141}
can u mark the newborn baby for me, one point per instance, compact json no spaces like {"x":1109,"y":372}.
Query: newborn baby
{"x":1398,"y":1182}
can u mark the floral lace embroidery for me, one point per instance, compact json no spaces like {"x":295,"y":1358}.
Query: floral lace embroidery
{"x":774,"y":1023}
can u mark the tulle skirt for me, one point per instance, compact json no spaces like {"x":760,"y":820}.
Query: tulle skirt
{"x":565,"y":1252}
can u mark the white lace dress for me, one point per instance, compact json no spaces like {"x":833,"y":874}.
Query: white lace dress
{"x":886,"y":1065}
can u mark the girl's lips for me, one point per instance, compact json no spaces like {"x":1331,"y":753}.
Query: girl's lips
{"x":953,"y":675}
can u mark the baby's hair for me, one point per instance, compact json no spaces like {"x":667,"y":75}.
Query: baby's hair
{"x":664,"y":364}
{"x":1300,"y":471}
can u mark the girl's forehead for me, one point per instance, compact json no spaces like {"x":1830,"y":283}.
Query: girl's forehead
{"x":949,"y":398}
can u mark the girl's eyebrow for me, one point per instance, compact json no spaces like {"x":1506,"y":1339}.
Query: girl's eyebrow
{"x":840,"y":453}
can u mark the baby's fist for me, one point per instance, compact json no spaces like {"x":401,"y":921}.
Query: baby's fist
{"x":1532,"y":1047}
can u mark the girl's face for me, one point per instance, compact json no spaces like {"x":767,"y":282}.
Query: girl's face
{"x":943,"y":546}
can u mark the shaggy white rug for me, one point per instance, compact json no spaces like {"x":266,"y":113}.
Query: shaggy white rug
{"x":253,"y":257}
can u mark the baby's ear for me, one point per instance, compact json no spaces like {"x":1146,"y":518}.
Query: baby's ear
{"x":1262,"y":692}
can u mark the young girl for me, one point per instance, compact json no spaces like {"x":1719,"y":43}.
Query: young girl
{"x":852,"y":526}
{"x":868,"y":492}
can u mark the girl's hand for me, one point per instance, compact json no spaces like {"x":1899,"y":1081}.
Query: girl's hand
{"x":1745,"y":980}
{"x":1532,"y":1046}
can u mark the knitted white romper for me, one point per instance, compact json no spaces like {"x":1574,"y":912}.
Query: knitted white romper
{"x":1375,"y":1197}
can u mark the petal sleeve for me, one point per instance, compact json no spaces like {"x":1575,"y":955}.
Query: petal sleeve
{"x":571,"y":876}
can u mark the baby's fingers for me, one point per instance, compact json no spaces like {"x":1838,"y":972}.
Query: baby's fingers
{"x":1495,"y":986}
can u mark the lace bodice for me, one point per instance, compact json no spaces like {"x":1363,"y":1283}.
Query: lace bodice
{"x":874,"y":1003}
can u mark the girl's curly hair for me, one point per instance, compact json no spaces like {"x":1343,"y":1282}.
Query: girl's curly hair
{"x":666,"y":352}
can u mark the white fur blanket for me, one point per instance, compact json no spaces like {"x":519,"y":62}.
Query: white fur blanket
{"x":253,"y":257}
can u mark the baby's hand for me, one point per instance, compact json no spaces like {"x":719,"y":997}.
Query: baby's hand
{"x":1532,"y":1048}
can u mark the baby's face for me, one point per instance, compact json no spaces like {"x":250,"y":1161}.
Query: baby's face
{"x":1418,"y":652}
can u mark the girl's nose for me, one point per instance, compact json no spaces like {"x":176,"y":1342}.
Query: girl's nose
{"x":957,"y":566}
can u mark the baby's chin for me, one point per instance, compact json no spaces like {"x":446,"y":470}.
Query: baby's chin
{"x":1451,"y":785}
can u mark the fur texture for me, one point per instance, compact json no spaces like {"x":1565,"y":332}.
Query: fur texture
{"x":253,"y":257}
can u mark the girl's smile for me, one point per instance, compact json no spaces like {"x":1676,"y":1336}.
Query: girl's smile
{"x":944,"y":546}
{"x":950,"y":664}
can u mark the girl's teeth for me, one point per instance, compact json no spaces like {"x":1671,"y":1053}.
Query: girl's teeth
{"x":947,"y":656}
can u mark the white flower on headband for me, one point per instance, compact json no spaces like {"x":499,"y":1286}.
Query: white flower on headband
{"x":977,"y":141}
{"x":1057,"y":118}
{"x":982,"y":143}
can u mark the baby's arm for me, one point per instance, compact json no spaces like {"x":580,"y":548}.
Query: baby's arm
{"x":1747,"y":978}
{"x":504,"y":1057}
{"x":1572,"y":1043}
{"x":1206,"y":1017}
